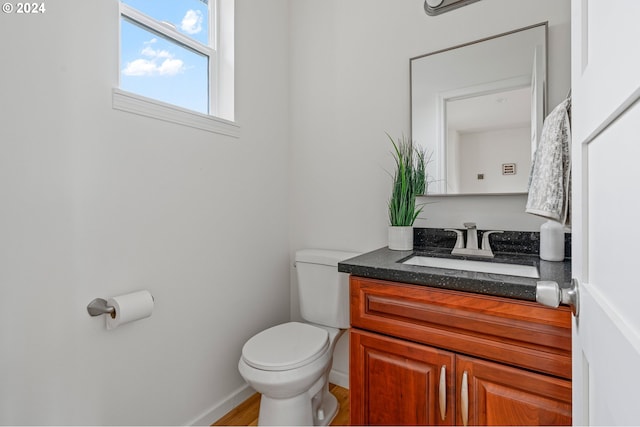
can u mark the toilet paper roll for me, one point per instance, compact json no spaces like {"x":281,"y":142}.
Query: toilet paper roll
{"x":129,"y":307}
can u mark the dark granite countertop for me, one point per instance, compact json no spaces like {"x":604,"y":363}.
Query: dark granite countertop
{"x":386,"y":264}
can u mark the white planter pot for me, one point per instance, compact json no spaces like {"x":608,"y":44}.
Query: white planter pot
{"x":400,"y":238}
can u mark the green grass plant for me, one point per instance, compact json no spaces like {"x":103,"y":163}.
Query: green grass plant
{"x":409,"y":181}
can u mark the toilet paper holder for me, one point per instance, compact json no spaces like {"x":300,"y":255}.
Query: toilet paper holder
{"x":99,"y":306}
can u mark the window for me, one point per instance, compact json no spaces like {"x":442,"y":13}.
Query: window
{"x":169,"y":60}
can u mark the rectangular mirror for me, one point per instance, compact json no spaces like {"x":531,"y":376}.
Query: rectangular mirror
{"x":478,"y":109}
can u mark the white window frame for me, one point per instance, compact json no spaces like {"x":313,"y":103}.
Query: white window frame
{"x":221,"y":80}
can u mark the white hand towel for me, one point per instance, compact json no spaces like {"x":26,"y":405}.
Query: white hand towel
{"x":550,"y":179}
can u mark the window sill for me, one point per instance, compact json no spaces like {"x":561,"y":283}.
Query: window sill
{"x":132,"y":103}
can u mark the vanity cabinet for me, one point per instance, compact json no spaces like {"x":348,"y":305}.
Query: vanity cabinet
{"x":427,"y":356}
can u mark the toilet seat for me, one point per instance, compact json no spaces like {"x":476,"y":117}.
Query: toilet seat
{"x":286,"y":346}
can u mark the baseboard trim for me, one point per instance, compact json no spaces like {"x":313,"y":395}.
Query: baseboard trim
{"x":222,"y":408}
{"x":339,"y":378}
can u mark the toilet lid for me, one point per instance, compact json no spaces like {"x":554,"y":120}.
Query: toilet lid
{"x":285,"y":346}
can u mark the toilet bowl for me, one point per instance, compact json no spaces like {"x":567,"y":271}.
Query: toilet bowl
{"x":295,"y":390}
{"x":289,"y":364}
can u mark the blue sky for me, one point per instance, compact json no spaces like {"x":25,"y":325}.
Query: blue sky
{"x":155,"y":67}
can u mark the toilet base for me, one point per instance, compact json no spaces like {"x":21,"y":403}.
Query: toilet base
{"x":300,"y":410}
{"x":329,"y":410}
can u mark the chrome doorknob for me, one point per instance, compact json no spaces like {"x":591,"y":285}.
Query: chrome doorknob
{"x":550,"y":294}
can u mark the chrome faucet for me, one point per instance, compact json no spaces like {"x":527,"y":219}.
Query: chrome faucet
{"x":472,"y":241}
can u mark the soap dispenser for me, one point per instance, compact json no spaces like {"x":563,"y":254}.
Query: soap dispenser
{"x":552,"y":241}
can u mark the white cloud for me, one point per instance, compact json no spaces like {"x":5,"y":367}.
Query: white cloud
{"x":171,"y":67}
{"x":140,"y":67}
{"x":152,"y":53}
{"x":192,"y":22}
{"x":157,"y":63}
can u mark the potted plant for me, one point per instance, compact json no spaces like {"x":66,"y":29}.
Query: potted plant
{"x":409,"y":181}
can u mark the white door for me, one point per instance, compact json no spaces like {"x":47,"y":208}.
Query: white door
{"x":606,"y":210}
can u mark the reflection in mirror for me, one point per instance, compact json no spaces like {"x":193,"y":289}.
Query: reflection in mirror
{"x":484,"y":133}
{"x":478,"y":108}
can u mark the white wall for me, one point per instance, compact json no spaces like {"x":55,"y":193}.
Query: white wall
{"x":98,"y":202}
{"x":350,"y":85}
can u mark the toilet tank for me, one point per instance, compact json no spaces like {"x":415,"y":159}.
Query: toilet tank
{"x":323,"y":292}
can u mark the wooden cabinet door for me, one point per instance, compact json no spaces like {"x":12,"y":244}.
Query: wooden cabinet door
{"x":395,"y":382}
{"x":503,"y":395}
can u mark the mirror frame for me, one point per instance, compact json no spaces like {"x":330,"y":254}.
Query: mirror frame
{"x":441,"y":138}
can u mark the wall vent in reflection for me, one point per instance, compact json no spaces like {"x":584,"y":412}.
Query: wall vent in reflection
{"x":508,"y":169}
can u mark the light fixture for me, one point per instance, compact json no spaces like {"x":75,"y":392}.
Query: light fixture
{"x":436,"y":7}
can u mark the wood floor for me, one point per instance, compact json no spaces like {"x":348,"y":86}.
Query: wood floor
{"x":246,"y":414}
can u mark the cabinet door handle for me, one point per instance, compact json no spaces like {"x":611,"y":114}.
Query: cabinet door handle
{"x":443,"y":392}
{"x":464,"y":396}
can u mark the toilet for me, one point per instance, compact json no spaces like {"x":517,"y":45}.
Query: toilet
{"x":289,"y":364}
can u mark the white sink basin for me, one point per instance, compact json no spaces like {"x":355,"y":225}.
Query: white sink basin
{"x":479,"y":266}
